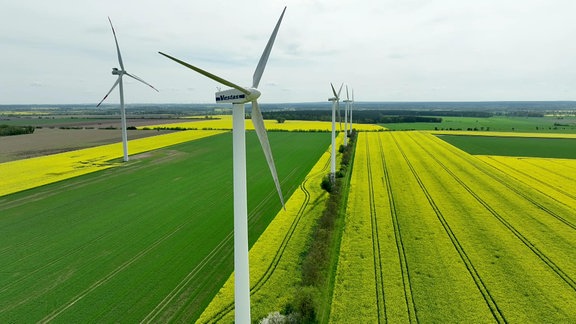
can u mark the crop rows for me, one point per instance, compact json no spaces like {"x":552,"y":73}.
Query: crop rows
{"x":472,"y":242}
{"x":551,"y":177}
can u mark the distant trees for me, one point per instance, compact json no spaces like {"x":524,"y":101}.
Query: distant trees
{"x":374,"y":116}
{"x":377,"y":116}
{"x":7,"y":130}
{"x":524,"y":113}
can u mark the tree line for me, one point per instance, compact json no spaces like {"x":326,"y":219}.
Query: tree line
{"x":376,"y":116}
{"x":8,"y":130}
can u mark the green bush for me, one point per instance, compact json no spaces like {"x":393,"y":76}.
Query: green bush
{"x":327,"y":184}
{"x":7,"y":130}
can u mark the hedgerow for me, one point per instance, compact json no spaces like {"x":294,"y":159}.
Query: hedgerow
{"x":320,"y":258}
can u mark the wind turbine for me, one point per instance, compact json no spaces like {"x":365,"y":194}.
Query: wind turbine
{"x":346,"y":108}
{"x":238,"y":96}
{"x":335,"y":105}
{"x":120,"y":73}
{"x":351,"y":109}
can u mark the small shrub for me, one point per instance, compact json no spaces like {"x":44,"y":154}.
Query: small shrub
{"x":327,"y":184}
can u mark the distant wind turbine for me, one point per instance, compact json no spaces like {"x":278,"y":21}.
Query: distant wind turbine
{"x":120,"y":73}
{"x":351,"y":109}
{"x":346,"y":109}
{"x":335,"y":105}
{"x":238,"y":96}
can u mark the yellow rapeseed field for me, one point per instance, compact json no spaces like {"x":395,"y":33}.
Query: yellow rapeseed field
{"x":434,"y":234}
{"x":30,"y":173}
{"x":22,"y":113}
{"x":225,"y":122}
{"x":555,"y":178}
{"x":356,"y":259}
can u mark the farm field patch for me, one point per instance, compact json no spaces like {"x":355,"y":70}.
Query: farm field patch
{"x":555,"y":178}
{"x":434,"y":234}
{"x":46,"y":141}
{"x":547,"y":124}
{"x":90,"y":122}
{"x":139,"y":242}
{"x":30,"y":173}
{"x":514,"y":146}
{"x":225,"y":122}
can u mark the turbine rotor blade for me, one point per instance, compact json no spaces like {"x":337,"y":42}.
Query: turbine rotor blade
{"x":333,"y":90}
{"x":208,"y":74}
{"x":264,"y":58}
{"x":114,"y":86}
{"x":139,"y":79}
{"x":339,"y":90}
{"x":117,"y":47}
{"x":347,"y":97}
{"x":258,"y":122}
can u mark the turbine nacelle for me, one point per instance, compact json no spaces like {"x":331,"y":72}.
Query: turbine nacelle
{"x":236,"y":96}
{"x":115,"y":71}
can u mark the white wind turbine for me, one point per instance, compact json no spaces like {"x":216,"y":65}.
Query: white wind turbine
{"x":238,"y":96}
{"x":335,"y":105}
{"x":346,"y":109}
{"x":351,"y":109}
{"x":120,"y":73}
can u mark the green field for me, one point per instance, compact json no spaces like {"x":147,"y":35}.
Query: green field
{"x":563,"y":148}
{"x":496,"y":123}
{"x":111,"y":246}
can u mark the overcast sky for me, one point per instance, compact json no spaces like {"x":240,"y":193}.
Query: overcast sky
{"x":62,"y":51}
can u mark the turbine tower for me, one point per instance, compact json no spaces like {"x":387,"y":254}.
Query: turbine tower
{"x":238,"y":96}
{"x":346,"y":109}
{"x":120,"y":73}
{"x":335,"y":105}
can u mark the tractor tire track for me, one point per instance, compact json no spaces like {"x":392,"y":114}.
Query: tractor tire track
{"x":376,"y":250}
{"x":551,"y":264}
{"x":520,"y":192}
{"x":408,"y":295}
{"x":554,"y":172}
{"x":181,"y":286}
{"x":47,"y":191}
{"x":528,"y":198}
{"x":151,"y":317}
{"x":564,"y":192}
{"x":488,"y":298}
{"x":55,"y":313}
